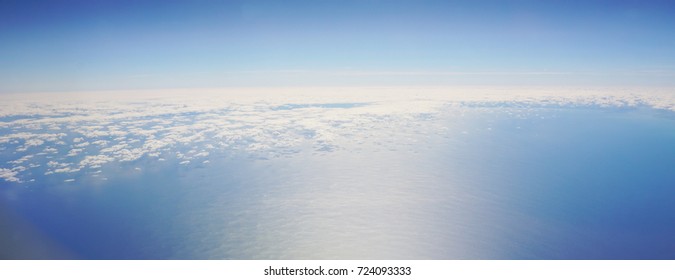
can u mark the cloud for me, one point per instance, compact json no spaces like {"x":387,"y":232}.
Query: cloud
{"x":34,"y":142}
{"x":21,"y":160}
{"x":128,"y":154}
{"x":9,"y":175}
{"x":95,"y":161}
{"x":101,"y":143}
{"x":66,"y":170}
{"x":109,"y":127}
{"x":74,"y":152}
{"x":81,"y":145}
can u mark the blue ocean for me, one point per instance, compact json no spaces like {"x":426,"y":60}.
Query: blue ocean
{"x":481,"y":182}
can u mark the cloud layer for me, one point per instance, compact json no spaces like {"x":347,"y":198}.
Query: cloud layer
{"x":72,"y":133}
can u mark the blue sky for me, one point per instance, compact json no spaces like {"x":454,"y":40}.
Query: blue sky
{"x":100,"y":45}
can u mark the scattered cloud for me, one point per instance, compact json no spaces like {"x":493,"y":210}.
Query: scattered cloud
{"x":9,"y":175}
{"x":194,"y":125}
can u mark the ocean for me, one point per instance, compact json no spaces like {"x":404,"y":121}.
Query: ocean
{"x":500,"y":181}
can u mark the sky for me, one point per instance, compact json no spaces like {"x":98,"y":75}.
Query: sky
{"x":106,"y":45}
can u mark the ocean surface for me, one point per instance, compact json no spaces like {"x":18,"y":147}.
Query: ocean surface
{"x":497,"y":181}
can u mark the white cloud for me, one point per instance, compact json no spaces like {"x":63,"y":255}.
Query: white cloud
{"x":34,"y":142}
{"x":19,"y":168}
{"x":9,"y":175}
{"x":31,"y":139}
{"x":114,"y":148}
{"x":126,"y":126}
{"x":22,"y":159}
{"x":202,"y":154}
{"x":74,"y":152}
{"x":96,"y":160}
{"x":101,"y":143}
{"x":66,"y":170}
{"x":129,"y":154}
{"x":81,"y":145}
